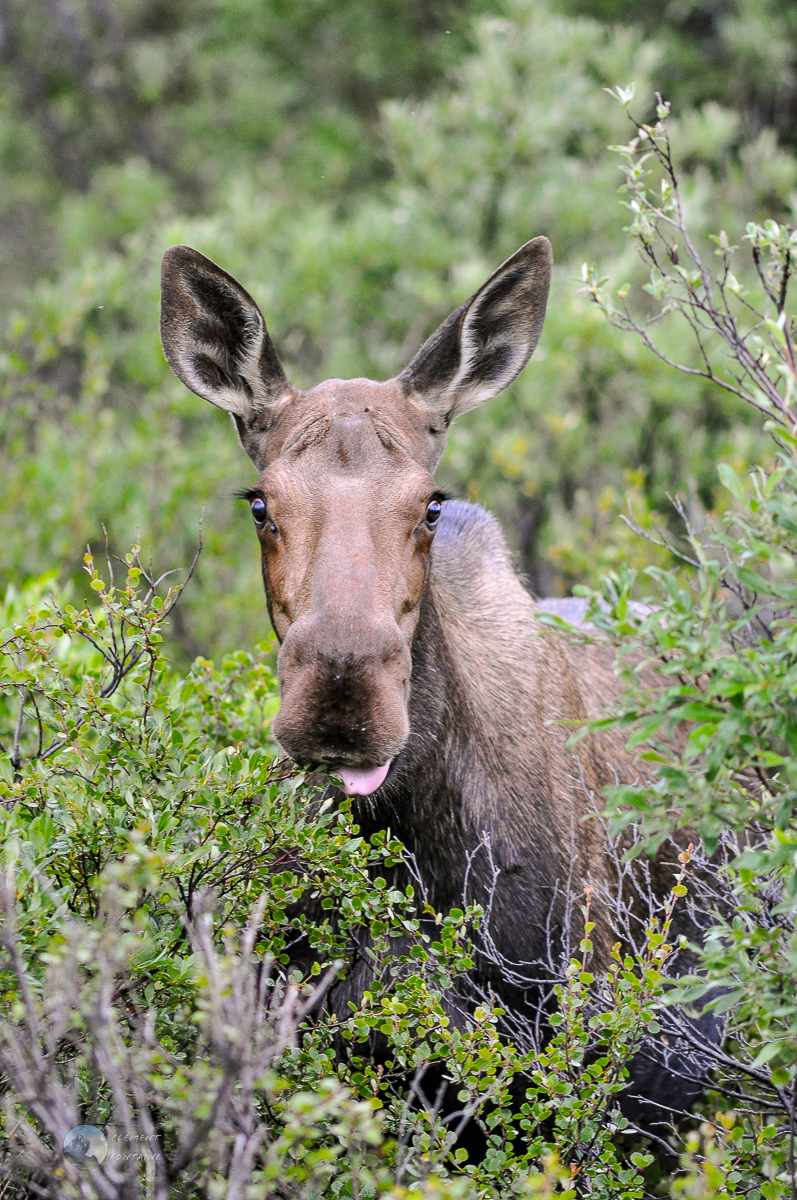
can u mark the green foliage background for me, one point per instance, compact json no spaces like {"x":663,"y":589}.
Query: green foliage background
{"x":361,"y":168}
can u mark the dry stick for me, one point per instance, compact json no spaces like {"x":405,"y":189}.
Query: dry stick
{"x":627,"y":323}
{"x":762,"y":276}
{"x":123,"y":664}
{"x":720,"y":1058}
{"x":32,"y":1073}
{"x":189,"y":575}
{"x":40,"y":725}
{"x":414,"y":1093}
{"x":784,"y":284}
{"x":724,"y":323}
{"x":108,"y":557}
{"x":109,"y":1053}
{"x":9,"y":940}
{"x":725,"y":580}
{"x":662,"y":540}
{"x":16,"y":756}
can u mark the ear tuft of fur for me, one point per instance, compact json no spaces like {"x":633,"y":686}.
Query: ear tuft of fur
{"x":487,"y":341}
{"x":215,"y":339}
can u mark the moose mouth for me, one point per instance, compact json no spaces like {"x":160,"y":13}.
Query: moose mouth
{"x":362,"y":781}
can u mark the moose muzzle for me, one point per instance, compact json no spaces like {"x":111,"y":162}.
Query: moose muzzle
{"x":345,"y":687}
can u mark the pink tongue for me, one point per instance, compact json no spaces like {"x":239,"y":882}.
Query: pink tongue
{"x":359,"y":782}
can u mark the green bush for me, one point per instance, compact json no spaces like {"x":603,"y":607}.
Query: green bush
{"x":709,"y":664}
{"x":165,"y":879}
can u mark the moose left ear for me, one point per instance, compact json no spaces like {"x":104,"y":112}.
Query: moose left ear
{"x":487,"y":341}
{"x":215,"y":340}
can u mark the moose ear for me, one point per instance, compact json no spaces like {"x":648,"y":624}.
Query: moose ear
{"x":487,"y":341}
{"x":215,"y":340}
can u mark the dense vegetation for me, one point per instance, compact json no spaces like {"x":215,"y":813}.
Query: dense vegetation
{"x":154,"y":854}
{"x":361,"y":168}
{"x":358,"y":206}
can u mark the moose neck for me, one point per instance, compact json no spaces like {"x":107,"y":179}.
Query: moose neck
{"x":476,"y":767}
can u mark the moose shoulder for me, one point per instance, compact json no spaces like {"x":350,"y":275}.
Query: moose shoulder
{"x":408,"y":660}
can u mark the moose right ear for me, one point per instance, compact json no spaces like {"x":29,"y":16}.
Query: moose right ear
{"x":485,"y":343}
{"x":215,"y":340}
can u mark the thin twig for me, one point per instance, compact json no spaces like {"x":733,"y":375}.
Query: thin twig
{"x":16,"y":753}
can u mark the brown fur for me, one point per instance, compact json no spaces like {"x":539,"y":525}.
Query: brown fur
{"x":408,"y":640}
{"x":401,"y":641}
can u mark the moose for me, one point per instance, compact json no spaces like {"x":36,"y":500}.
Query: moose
{"x":410,"y":660}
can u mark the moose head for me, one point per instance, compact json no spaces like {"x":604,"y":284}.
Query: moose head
{"x":346,"y":505}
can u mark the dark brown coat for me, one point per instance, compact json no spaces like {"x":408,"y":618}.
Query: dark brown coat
{"x":412,"y":659}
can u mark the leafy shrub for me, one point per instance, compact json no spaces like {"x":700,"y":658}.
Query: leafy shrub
{"x":716,"y":723}
{"x":716,"y":733}
{"x":158,"y":863}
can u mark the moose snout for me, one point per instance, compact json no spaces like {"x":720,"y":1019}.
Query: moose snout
{"x":344,"y":687}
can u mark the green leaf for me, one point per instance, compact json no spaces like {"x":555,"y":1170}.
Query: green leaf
{"x":767,"y":1051}
{"x":731,"y":481}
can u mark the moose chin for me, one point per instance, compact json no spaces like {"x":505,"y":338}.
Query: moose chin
{"x":410,"y":661}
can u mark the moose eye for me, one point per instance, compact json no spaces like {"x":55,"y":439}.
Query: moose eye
{"x":433,"y":511}
{"x":259,"y":512}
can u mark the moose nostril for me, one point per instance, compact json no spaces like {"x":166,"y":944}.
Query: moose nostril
{"x":344,"y":687}
{"x":343,"y":657}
